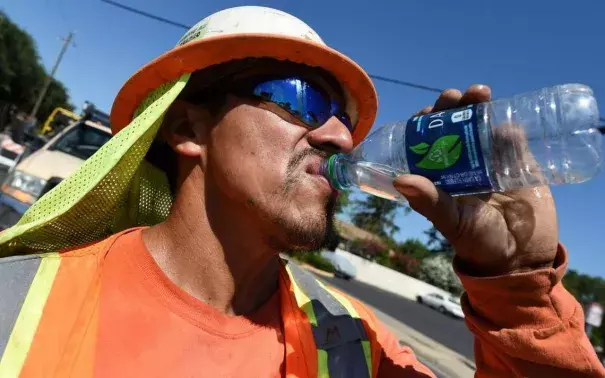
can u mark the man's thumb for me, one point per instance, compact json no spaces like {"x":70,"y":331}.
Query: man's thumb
{"x":435,"y":204}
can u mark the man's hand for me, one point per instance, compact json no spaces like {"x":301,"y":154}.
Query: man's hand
{"x":492,"y":234}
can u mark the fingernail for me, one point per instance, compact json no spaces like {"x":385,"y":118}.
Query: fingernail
{"x":406,"y":190}
{"x":478,"y":87}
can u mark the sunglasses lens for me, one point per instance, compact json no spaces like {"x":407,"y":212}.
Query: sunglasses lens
{"x":305,"y":101}
{"x":346,"y":120}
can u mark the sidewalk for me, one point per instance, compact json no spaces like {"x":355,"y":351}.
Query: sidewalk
{"x":444,"y":362}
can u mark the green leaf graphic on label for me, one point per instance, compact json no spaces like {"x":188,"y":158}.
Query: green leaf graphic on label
{"x":420,"y":148}
{"x":444,"y":153}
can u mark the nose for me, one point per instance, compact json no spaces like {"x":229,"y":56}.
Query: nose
{"x":333,"y":136}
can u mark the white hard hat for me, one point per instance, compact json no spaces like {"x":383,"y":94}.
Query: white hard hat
{"x":250,"y":32}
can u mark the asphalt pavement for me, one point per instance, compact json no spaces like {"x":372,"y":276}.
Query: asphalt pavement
{"x":446,"y":330}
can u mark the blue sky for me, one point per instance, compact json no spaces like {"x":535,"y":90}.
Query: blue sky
{"x":513,"y":46}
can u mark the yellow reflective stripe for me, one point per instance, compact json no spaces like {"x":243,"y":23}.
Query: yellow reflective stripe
{"x":302,"y":300}
{"x":322,"y":364}
{"x":26,"y":324}
{"x":367,"y":348}
{"x":343,"y":300}
{"x":367,"y":352}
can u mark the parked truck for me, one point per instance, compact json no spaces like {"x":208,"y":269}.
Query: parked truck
{"x":45,"y":168}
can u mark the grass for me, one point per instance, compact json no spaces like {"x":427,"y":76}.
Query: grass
{"x":314,"y":259}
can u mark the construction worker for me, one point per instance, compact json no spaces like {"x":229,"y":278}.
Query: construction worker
{"x":160,"y":256}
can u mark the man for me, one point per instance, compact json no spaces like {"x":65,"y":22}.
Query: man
{"x":203,"y":292}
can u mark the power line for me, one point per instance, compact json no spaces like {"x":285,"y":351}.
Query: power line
{"x":149,"y":15}
{"x":405,"y":83}
{"x":375,"y":77}
{"x":186,"y":27}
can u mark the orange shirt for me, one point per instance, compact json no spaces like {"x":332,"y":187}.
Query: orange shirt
{"x":111,"y":312}
{"x":149,"y":327}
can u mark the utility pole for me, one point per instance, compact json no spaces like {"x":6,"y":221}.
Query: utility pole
{"x":50,"y":77}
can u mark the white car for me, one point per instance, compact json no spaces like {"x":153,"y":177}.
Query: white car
{"x":445,"y":304}
{"x":343,"y":268}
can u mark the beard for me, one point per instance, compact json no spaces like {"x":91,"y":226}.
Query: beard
{"x":310,"y":232}
{"x":308,"y":229}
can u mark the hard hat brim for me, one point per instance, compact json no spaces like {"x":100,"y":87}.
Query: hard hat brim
{"x":197,"y":55}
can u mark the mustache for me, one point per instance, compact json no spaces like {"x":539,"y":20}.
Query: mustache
{"x":291,"y":175}
{"x":300,"y":157}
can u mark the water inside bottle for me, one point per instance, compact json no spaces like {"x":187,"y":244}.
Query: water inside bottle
{"x":377,"y":179}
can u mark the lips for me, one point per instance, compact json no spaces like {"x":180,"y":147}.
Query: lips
{"x":313,"y":168}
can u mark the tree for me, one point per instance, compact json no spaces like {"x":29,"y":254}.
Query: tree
{"x":369,"y":249}
{"x":20,"y":70}
{"x":377,"y":215}
{"x":21,"y":73}
{"x":414,"y":248}
{"x":408,"y":256}
{"x":437,"y":243}
{"x":587,"y":289}
{"x":438,"y":271}
{"x":406,"y":264}
{"x":343,"y":202}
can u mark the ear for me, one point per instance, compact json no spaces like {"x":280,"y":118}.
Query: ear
{"x":185,"y":128}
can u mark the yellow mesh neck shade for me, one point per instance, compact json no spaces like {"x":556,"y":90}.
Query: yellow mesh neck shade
{"x":113,"y":190}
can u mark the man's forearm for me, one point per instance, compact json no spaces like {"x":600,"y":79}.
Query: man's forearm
{"x":527,"y":324}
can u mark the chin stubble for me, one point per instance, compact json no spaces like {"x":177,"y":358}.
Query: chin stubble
{"x":311,"y":232}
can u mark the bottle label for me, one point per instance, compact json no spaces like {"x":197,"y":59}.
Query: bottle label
{"x":445,"y":148}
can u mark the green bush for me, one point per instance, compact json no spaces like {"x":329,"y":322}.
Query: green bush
{"x":314,"y":259}
{"x":385,"y":260}
{"x":438,"y":271}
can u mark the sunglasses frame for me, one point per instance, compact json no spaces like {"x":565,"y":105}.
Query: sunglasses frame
{"x":244,"y":87}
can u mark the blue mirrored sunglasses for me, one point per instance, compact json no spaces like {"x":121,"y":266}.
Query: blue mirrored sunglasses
{"x":305,"y":100}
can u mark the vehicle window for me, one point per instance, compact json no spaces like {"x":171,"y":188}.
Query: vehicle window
{"x":454,"y":300}
{"x":82,"y":141}
{"x":343,"y":262}
{"x":439,"y":296}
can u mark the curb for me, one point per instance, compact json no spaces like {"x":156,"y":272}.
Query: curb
{"x":313,"y":269}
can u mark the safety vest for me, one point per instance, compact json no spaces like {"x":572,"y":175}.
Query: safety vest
{"x":40,"y":335}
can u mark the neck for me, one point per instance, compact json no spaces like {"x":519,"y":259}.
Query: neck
{"x":212,"y":254}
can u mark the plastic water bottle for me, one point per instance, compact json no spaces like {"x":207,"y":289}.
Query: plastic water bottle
{"x":544,"y":137}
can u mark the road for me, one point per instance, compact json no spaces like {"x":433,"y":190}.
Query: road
{"x":450,"y":332}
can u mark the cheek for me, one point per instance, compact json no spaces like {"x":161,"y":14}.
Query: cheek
{"x":248,"y":153}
